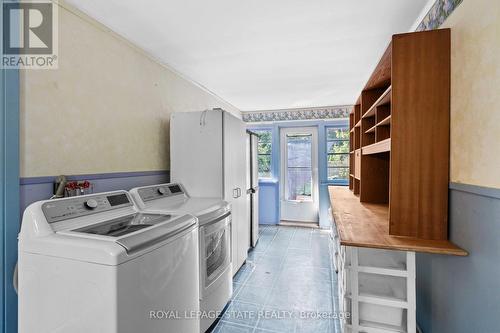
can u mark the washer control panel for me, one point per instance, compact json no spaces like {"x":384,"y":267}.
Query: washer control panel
{"x":159,"y":191}
{"x":64,"y":209}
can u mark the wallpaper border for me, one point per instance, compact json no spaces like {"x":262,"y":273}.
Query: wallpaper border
{"x":438,"y":13}
{"x":327,"y":112}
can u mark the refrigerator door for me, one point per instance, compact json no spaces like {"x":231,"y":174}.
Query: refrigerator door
{"x":254,"y":189}
{"x":235,"y":183}
{"x":196,"y":155}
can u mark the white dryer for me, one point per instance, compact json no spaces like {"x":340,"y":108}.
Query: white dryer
{"x":214,"y":219}
{"x":96,"y":264}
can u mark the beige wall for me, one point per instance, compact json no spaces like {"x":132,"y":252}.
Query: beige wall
{"x":107,"y":107}
{"x":475,"y":93}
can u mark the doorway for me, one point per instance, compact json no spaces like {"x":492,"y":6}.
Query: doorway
{"x":299,"y":174}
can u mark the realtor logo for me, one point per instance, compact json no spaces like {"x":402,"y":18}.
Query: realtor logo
{"x":29,"y":34}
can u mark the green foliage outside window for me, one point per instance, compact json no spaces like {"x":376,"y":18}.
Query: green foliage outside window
{"x":264,"y":153}
{"x":338,"y":154}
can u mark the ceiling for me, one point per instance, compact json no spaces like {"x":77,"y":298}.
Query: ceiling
{"x":264,"y":54}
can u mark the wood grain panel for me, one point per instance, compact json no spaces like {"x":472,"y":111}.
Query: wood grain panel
{"x":420,"y":134}
{"x":366,"y":225}
{"x":375,"y":189}
{"x":381,"y":76}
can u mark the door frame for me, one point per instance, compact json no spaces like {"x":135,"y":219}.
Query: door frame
{"x":314,"y":131}
{"x":9,"y":194}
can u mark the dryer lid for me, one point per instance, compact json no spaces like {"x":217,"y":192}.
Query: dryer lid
{"x":205,"y":209}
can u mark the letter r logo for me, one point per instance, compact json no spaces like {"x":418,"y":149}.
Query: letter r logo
{"x":27,"y":28}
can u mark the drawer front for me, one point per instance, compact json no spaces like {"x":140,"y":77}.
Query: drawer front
{"x":357,"y":163}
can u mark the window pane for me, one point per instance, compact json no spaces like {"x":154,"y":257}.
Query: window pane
{"x":299,"y":167}
{"x":338,"y":147}
{"x":264,"y":148}
{"x":264,"y":166}
{"x":337,"y":133}
{"x":338,"y":160}
{"x":264,"y":136}
{"x":338,"y":173}
{"x":299,"y":184}
{"x":299,"y":150}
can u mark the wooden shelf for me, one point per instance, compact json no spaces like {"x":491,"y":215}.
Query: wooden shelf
{"x":367,"y":225}
{"x":378,"y":147}
{"x":385,"y":98}
{"x":358,"y":124}
{"x":385,"y":121}
{"x":371,"y":129}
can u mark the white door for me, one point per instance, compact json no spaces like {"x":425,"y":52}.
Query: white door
{"x":299,"y":174}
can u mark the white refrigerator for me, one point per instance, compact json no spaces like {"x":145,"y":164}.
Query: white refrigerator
{"x":208,"y":156}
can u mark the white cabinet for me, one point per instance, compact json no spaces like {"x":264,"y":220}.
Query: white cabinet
{"x":377,"y":288}
{"x":208,"y":156}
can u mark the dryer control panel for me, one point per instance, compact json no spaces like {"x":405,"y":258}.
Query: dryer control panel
{"x":64,"y":209}
{"x":159,"y":191}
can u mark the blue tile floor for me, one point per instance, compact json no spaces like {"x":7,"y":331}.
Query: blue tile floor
{"x":287,"y":285}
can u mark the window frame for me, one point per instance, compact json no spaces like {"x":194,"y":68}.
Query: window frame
{"x":327,"y":154}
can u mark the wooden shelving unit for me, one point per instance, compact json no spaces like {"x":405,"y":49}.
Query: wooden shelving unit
{"x":400,"y":135}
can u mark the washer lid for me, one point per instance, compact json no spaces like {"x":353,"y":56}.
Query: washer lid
{"x":113,"y":241}
{"x":124,"y":225}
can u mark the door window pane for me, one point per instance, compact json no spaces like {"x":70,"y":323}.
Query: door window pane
{"x":299,"y":167}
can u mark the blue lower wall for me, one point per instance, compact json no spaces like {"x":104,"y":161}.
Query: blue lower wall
{"x":462,"y":294}
{"x":41,"y":188}
{"x":269,"y":202}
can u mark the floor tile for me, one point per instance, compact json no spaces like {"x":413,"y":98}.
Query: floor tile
{"x":236,"y":288}
{"x":226,"y":327}
{"x":289,"y":270}
{"x":263,"y":277}
{"x":277,"y":320}
{"x":314,"y":326}
{"x":253,"y":294}
{"x":243,"y":273}
{"x":242,"y":313}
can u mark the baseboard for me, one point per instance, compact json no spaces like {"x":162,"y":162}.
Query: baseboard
{"x":313,"y":225}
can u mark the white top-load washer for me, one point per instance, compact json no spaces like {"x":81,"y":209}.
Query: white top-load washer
{"x":214,"y":219}
{"x":94,"y":263}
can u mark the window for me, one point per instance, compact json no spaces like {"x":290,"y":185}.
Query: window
{"x":337,"y":142}
{"x":299,"y":167}
{"x":264,"y":152}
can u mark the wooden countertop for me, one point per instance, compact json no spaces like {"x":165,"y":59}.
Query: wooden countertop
{"x":367,"y":225}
